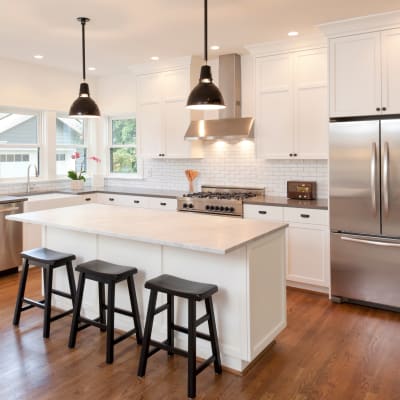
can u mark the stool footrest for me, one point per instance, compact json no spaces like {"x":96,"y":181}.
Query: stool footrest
{"x":203,"y":319}
{"x":161,"y":308}
{"x":205,"y":364}
{"x":123,"y":312}
{"x":60,"y":293}
{"x":63,"y":314}
{"x":34,"y":303}
{"x":124,"y":336}
{"x":90,"y":322}
{"x":183,"y":329}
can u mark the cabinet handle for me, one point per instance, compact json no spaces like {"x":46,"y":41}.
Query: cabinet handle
{"x":383,"y":108}
{"x":88,"y":199}
{"x":111,"y":199}
{"x":295,"y":154}
{"x":305,"y":215}
{"x":262,"y":212}
{"x":163,"y":204}
{"x":291,"y":154}
{"x":136,"y":201}
{"x":378,"y":109}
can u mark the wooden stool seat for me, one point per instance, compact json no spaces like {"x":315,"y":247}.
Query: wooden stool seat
{"x":193,"y":292}
{"x":104,"y":272}
{"x":48,"y":260}
{"x":181,"y":287}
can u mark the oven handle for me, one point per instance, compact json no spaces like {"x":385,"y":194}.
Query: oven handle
{"x":373,"y":242}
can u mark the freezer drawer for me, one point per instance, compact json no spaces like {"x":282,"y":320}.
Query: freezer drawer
{"x":365,"y":268}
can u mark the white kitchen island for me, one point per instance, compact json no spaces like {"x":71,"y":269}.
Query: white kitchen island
{"x":245,"y":258}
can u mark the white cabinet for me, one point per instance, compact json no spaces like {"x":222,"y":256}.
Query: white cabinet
{"x":123,"y":200}
{"x":162,"y":117}
{"x":161,"y":203}
{"x":292,"y":105}
{"x":364,"y":78}
{"x":308,"y":243}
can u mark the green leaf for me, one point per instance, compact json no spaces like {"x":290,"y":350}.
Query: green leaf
{"x":72,"y":175}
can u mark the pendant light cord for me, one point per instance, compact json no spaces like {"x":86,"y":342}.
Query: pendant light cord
{"x":83,"y":22}
{"x":205,"y":32}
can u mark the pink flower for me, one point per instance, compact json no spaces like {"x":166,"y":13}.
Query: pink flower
{"x":75,"y":155}
{"x":94,"y":158}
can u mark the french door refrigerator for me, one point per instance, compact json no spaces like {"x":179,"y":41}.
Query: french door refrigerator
{"x":364,"y":165}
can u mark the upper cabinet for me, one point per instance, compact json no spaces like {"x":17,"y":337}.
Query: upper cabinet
{"x":292,"y":105}
{"x":162,"y":117}
{"x":364,"y":77}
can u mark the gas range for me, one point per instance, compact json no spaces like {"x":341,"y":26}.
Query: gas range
{"x":221,"y":200}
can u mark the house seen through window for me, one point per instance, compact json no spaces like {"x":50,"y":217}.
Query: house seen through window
{"x":19,"y":143}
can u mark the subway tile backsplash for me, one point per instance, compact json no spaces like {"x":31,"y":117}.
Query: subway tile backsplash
{"x":230,"y":164}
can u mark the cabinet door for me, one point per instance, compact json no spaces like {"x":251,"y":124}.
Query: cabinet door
{"x":308,"y":254}
{"x":274,"y":112}
{"x":355,"y":75}
{"x":149,"y":115}
{"x":161,"y":203}
{"x":311,"y":104}
{"x":390,"y":71}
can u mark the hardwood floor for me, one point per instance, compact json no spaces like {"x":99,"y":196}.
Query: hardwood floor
{"x":328,"y":351}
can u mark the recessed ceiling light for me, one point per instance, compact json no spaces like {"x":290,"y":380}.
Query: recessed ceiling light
{"x":293,"y":33}
{"x":154,"y":58}
{"x":92,"y":68}
{"x":214,"y":47}
{"x":38,"y":56}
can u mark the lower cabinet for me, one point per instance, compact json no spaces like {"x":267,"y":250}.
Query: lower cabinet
{"x":308,"y":243}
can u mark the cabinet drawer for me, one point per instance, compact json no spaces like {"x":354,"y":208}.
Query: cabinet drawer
{"x":306,"y":216}
{"x":162,"y":203}
{"x":138,"y":201}
{"x":268,"y":213}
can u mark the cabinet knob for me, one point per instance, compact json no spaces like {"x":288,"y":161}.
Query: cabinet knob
{"x":383,"y":108}
{"x":291,"y":154}
{"x":295,"y":154}
{"x":88,"y":199}
{"x":111,"y":199}
{"x":378,"y":109}
{"x":163,"y":204}
{"x":305,"y":215}
{"x":262,"y":212}
{"x":136,"y":201}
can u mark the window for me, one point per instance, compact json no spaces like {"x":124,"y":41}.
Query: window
{"x":70,"y":143}
{"x":19,"y":143}
{"x":123,"y":158}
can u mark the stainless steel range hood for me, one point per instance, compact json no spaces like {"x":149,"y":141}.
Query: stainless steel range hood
{"x":231,"y":125}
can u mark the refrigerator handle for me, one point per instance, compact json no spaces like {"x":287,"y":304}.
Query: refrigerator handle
{"x":374,"y":242}
{"x":385,"y":178}
{"x":373,"y":177}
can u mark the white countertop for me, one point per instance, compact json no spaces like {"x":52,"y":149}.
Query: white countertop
{"x":206,"y":233}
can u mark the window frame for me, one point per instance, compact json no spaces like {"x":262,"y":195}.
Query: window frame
{"x":41,"y":140}
{"x":110,"y":145}
{"x":78,"y":147}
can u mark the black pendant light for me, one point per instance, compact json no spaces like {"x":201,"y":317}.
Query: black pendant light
{"x":84,"y":106}
{"x":205,"y":96}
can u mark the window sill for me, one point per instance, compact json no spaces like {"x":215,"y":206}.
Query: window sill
{"x":138,"y":177}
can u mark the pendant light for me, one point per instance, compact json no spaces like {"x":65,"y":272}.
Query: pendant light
{"x":205,"y":96}
{"x":84,"y":106}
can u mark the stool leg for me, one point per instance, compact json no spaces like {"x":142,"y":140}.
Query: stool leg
{"x":170,"y":323}
{"x":192,"y":348}
{"x":213,"y":333}
{"x":102,"y":302}
{"x":47,"y":300}
{"x":110,"y":323}
{"x":77,"y":311}
{"x":147,"y":333}
{"x":135,"y":310}
{"x":21,"y":292}
{"x":71,"y":281}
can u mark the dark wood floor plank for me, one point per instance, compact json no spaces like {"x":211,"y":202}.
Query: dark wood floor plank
{"x":328,"y":352}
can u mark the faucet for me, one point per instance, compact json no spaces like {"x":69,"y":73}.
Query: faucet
{"x":28,"y":178}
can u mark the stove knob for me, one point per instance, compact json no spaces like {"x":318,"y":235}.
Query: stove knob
{"x":190,"y":205}
{"x":231,"y":210}
{"x":216,"y":208}
{"x":207,"y":207}
{"x":227,"y":209}
{"x":211,"y":208}
{"x":185,"y":205}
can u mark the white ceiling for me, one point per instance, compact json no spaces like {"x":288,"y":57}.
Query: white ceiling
{"x":125,"y":32}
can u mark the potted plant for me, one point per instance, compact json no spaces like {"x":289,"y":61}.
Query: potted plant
{"x":77,"y":177}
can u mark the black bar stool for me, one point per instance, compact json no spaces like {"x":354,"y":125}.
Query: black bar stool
{"x":48,"y":260}
{"x":106,"y":273}
{"x":193,"y":291}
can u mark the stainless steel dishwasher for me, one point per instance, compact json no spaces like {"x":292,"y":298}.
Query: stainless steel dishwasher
{"x":10,"y":237}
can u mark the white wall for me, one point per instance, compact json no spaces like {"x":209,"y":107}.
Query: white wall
{"x":27,"y":85}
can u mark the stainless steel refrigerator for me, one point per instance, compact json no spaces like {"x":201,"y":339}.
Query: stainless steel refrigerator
{"x":364,"y":165}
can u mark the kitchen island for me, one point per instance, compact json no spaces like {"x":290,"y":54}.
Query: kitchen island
{"x":245,"y":258}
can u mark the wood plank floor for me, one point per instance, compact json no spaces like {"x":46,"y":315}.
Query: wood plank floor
{"x":328,"y":351}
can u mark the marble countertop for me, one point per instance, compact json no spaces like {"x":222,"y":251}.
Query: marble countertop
{"x":321,"y":204}
{"x":199,"y":232}
{"x":11,"y":199}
